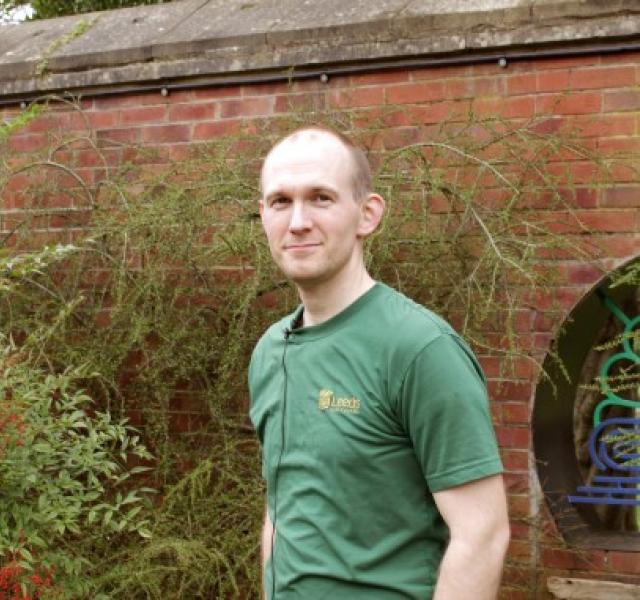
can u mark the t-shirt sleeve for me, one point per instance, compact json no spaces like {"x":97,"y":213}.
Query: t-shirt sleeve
{"x":443,"y":406}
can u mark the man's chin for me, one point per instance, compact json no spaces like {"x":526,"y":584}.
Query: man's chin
{"x":304,"y":278}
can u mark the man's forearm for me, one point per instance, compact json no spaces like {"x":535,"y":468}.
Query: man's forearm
{"x":471,"y":571}
{"x":266,"y":544}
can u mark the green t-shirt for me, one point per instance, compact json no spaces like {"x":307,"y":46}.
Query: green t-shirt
{"x":361,"y":419}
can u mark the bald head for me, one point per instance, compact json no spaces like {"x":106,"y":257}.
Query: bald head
{"x":359,"y":169}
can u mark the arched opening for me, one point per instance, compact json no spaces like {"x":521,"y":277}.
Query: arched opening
{"x":586,"y":420}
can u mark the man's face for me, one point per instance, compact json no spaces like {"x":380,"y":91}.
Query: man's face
{"x":312,"y":221}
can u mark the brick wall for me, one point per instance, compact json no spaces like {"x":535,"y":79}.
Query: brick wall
{"x":598,"y":96}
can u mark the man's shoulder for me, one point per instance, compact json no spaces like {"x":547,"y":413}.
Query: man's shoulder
{"x":402,"y":318}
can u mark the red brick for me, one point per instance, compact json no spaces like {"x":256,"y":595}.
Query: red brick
{"x":561,"y":558}
{"x":166,"y":133}
{"x":610,"y":220}
{"x":552,"y":81}
{"x":522,"y":83}
{"x":127,"y":135}
{"x":509,"y":108}
{"x":516,"y":483}
{"x":515,"y":413}
{"x":545,"y":322}
{"x":624,"y":170}
{"x":577,"y":172}
{"x":495,"y":85}
{"x":603,"y":77}
{"x":625,"y":562}
{"x":510,"y":390}
{"x":513,"y":437}
{"x":516,"y":575}
{"x":519,"y":593}
{"x":380,"y":78}
{"x":564,"y":297}
{"x":619,"y":246}
{"x":443,"y":72}
{"x":525,"y":367}
{"x":145,"y":114}
{"x":300,"y":102}
{"x":89,"y":158}
{"x":585,"y":197}
{"x":102,"y":119}
{"x":619,"y":147}
{"x":621,"y":197}
{"x":263,"y":89}
{"x":187,"y":402}
{"x":122,"y":100}
{"x":191,"y":112}
{"x":582,"y":273}
{"x":27,"y":142}
{"x":490,"y":365}
{"x":353,"y":98}
{"x":217,"y":92}
{"x":620,"y":58}
{"x":605,"y":125}
{"x":520,"y":530}
{"x":392,"y":139}
{"x":180,"y":152}
{"x":568,"y":62}
{"x":180,"y":423}
{"x":621,"y":100}
{"x":438,"y":112}
{"x":179,"y":96}
{"x":459,"y":88}
{"x":548,"y":126}
{"x":515,"y":460}
{"x":47,"y":122}
{"x":249,"y":107}
{"x":518,"y":550}
{"x":569,"y":104}
{"x":211,"y":131}
{"x":416,"y":92}
{"x":71,"y":120}
{"x":543,"y":341}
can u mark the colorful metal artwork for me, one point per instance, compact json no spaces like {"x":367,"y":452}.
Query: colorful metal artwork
{"x":614,"y":443}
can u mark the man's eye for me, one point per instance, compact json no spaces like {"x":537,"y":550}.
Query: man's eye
{"x":322,"y":198}
{"x":279,"y":201}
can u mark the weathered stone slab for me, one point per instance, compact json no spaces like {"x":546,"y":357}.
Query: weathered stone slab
{"x":588,"y":589}
{"x":200,"y":38}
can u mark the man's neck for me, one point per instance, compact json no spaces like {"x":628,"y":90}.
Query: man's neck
{"x":321,"y":302}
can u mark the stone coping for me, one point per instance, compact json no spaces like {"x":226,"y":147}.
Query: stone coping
{"x":190,"y":40}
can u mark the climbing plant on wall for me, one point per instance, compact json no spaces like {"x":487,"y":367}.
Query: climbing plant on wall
{"x":169,"y":285}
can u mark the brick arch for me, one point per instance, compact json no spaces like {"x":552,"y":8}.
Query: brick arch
{"x":559,"y":468}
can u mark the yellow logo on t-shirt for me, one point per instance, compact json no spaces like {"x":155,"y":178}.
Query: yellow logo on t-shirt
{"x":327,"y":400}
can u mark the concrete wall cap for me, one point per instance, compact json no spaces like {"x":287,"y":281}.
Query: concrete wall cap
{"x":189,"y":39}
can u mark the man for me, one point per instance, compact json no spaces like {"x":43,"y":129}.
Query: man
{"x":383,"y":476}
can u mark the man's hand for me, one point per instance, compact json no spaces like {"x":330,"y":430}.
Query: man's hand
{"x":476,"y":514}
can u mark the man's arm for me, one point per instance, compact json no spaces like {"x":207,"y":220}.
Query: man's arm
{"x":476,"y":514}
{"x":267,"y":538}
{"x":266,"y":544}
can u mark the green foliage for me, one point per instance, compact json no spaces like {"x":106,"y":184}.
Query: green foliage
{"x":62,"y":462}
{"x":18,"y":122}
{"x":80,"y":28}
{"x":169,"y":284}
{"x":47,"y":9}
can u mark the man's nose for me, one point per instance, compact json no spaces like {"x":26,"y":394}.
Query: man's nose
{"x":299,"y":217}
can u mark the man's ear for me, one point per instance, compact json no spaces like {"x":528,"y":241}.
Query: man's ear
{"x":371,"y":212}
{"x":261,"y":206}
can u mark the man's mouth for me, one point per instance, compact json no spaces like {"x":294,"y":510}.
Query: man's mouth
{"x":301,"y":246}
